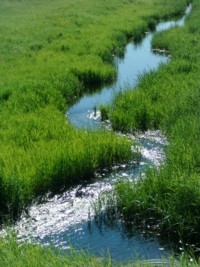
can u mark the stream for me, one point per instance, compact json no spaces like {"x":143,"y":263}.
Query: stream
{"x":138,"y":59}
{"x":67,"y":219}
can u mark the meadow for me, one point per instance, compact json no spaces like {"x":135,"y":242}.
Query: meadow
{"x":50,"y":53}
{"x":167,"y":200}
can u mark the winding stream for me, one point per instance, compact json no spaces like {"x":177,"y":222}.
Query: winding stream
{"x":138,"y":58}
{"x":67,"y":219}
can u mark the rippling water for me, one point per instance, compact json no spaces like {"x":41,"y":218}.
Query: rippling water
{"x":67,"y":219}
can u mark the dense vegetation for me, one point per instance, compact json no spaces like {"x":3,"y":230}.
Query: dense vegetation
{"x":53,"y":51}
{"x":168,"y":99}
{"x":50,"y":51}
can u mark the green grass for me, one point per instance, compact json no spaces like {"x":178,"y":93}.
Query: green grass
{"x":167,"y":99}
{"x":29,"y":255}
{"x":14,"y":255}
{"x":50,"y":52}
{"x":44,"y":42}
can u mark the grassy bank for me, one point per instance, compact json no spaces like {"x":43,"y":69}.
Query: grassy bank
{"x":168,"y":199}
{"x":50,"y":51}
{"x":12,"y":255}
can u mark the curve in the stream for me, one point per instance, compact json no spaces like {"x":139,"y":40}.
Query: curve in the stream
{"x":138,"y":58}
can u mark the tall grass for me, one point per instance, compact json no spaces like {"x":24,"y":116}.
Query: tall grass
{"x":167,"y":99}
{"x":12,"y":254}
{"x":41,"y":157}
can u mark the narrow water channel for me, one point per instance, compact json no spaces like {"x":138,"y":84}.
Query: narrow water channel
{"x":138,"y":59}
{"x":67,"y":219}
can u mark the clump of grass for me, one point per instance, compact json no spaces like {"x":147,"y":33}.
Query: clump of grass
{"x":42,"y":157}
{"x":172,"y":204}
{"x":104,"y":113}
{"x":12,"y":254}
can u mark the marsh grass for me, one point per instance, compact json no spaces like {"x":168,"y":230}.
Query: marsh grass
{"x":49,"y":53}
{"x":167,"y":99}
{"x":15,"y":255}
{"x":65,"y":157}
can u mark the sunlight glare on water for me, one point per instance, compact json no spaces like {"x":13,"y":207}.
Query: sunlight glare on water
{"x":68,"y":219}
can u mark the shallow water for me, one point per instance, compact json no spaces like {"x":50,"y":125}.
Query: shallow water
{"x":67,"y":218}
